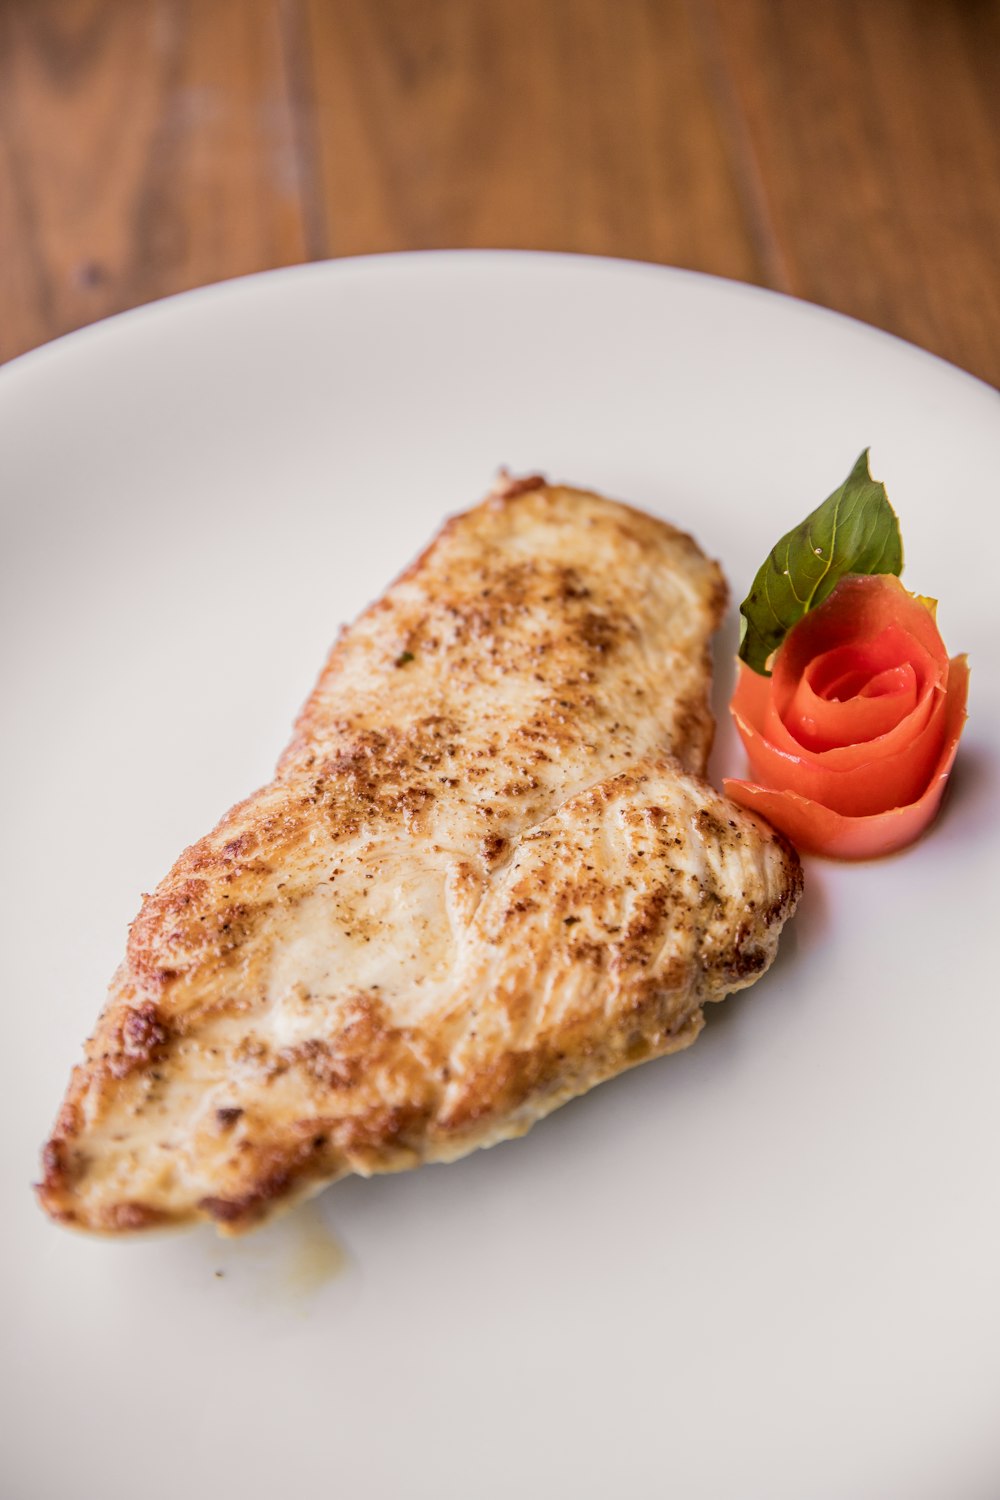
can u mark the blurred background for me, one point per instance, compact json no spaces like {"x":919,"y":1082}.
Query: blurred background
{"x":847,"y":151}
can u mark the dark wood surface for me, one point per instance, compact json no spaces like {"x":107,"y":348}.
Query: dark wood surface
{"x":846,"y":150}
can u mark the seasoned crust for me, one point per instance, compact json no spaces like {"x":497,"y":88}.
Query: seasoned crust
{"x":486,"y":876}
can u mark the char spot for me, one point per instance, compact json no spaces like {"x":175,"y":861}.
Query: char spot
{"x":493,"y":846}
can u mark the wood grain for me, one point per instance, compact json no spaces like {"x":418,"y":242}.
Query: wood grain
{"x":144,"y":149}
{"x":874,"y":129}
{"x":585,"y":126}
{"x":848,"y":151}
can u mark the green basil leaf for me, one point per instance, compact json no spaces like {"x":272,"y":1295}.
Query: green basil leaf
{"x":855,"y":530}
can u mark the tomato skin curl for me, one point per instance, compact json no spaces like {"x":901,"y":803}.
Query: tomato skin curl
{"x":852,"y":738}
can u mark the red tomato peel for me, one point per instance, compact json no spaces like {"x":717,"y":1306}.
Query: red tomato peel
{"x":853,"y":736}
{"x":816,"y":829}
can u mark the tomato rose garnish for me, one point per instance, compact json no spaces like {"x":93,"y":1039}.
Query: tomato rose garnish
{"x":853,"y":735}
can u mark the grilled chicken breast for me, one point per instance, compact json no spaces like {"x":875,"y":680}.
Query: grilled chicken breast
{"x":487,"y":875}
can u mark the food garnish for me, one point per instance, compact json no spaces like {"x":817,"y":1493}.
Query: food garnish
{"x":846,"y":701}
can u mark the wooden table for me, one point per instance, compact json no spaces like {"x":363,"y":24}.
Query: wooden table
{"x":847,"y":151}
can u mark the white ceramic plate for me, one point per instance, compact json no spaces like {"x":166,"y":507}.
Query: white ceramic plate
{"x":765,"y":1268}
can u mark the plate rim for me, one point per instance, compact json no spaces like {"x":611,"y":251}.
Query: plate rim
{"x":385,"y":262}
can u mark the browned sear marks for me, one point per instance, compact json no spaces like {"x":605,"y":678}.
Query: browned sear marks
{"x":487,"y":875}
